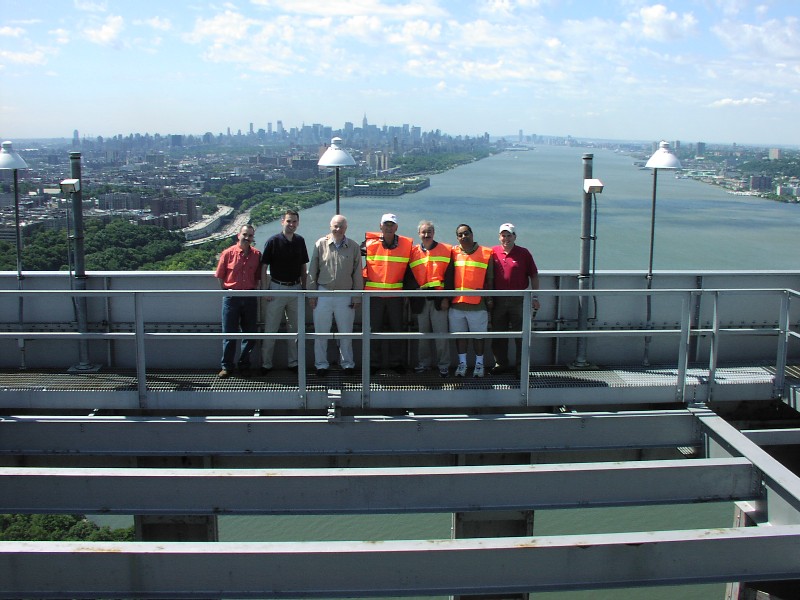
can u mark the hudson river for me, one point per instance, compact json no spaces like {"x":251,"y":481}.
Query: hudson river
{"x":698,"y":226}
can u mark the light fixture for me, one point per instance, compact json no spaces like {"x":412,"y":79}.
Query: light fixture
{"x":662,"y":158}
{"x":336,"y":157}
{"x":11,"y":161}
{"x":70,"y":186}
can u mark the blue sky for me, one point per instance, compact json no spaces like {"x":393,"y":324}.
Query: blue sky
{"x":714,"y":70}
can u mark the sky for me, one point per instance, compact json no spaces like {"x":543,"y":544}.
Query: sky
{"x":718,"y":71}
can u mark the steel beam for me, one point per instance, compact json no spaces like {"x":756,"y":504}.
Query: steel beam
{"x":781,"y":485}
{"x":396,"y":568}
{"x":303,"y":436}
{"x":374,"y":490}
{"x":774,"y":437}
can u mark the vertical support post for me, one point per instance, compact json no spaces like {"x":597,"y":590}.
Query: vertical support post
{"x":683,"y":350}
{"x":783,"y":347}
{"x":584,"y":278}
{"x":302,"y":381}
{"x":141,"y":372}
{"x":714,"y":349}
{"x":649,"y":299}
{"x":81,"y":310}
{"x":525,"y":347}
{"x":337,"y":190}
{"x":366,"y":345}
{"x":20,"y":300}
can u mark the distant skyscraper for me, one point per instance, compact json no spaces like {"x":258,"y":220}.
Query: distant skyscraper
{"x":251,"y":129}
{"x":76,"y":140}
{"x":520,"y":136}
{"x":269,"y":128}
{"x":775,"y":154}
{"x":701,"y":148}
{"x":364,"y":123}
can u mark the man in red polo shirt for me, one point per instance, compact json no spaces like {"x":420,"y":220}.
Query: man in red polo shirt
{"x":514,"y":269}
{"x":239,"y":268}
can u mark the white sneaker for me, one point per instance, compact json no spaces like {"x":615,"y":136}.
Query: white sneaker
{"x":461,"y":370}
{"x":478,"y":372}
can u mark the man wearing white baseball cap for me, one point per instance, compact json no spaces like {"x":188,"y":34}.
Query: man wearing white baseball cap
{"x":386,"y":262}
{"x":514,"y":269}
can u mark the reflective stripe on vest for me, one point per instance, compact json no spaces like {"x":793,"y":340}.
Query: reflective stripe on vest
{"x":384,"y":268}
{"x":470,"y":272}
{"x":429,"y":267}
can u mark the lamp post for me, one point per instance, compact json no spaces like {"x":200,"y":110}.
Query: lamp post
{"x":661,"y":159}
{"x":11,"y":161}
{"x":336,"y":157}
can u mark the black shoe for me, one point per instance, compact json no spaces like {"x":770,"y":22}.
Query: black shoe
{"x":322,"y":372}
{"x":399,"y":369}
{"x":265,"y":371}
{"x":244,"y":371}
{"x":349,"y":371}
{"x":293,"y":369}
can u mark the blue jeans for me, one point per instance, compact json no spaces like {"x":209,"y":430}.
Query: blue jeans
{"x":239,"y":314}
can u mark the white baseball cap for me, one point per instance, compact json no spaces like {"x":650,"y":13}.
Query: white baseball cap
{"x":509,"y":227}
{"x":390,"y":218}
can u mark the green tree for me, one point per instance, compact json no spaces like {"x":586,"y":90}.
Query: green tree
{"x":17,"y":527}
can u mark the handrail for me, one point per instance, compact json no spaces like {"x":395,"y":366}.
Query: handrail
{"x":685,"y":332}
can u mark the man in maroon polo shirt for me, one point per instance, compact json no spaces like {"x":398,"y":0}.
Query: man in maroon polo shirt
{"x":514,"y":269}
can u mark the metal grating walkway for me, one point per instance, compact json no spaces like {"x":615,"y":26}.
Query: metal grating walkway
{"x":278,"y":380}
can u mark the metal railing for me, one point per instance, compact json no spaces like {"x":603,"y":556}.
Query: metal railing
{"x":783,"y":329}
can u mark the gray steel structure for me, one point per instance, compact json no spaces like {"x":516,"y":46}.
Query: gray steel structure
{"x":119,"y":441}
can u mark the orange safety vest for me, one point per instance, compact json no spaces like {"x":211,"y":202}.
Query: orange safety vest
{"x":384,"y":268}
{"x":470,"y":272}
{"x":429,"y":267}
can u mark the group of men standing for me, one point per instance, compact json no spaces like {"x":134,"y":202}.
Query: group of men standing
{"x":391,"y":262}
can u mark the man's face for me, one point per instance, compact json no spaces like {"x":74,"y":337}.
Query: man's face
{"x":338,"y":227}
{"x":290,"y":223}
{"x":246,"y":235}
{"x":426,"y":233}
{"x":388,"y":228}
{"x":507,"y":239}
{"x":464,"y":235}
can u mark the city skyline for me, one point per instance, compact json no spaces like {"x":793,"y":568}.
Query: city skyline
{"x":716,"y":71}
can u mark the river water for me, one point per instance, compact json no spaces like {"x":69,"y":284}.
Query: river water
{"x":698,"y":226}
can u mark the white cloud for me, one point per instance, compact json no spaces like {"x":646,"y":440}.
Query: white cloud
{"x":398,"y":11}
{"x":731,"y":7}
{"x":61,"y":35}
{"x":108,"y":32}
{"x":416,"y":37}
{"x":774,"y":38}
{"x":156,"y":23}
{"x":741,"y":102}
{"x":11,"y":31}
{"x":29,"y":57}
{"x":222,"y":29}
{"x":657,"y":23}
{"x":90,"y":6}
